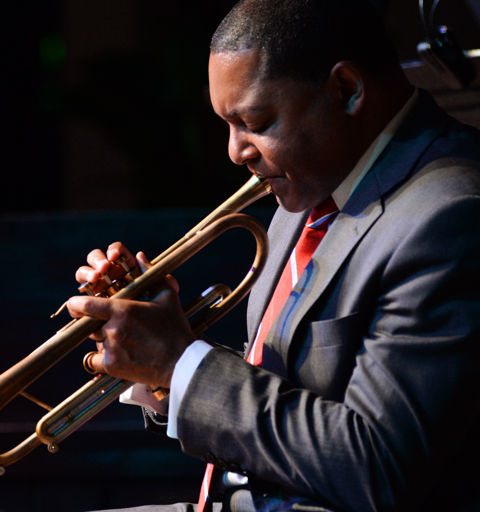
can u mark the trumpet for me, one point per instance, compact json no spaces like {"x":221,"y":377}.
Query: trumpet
{"x":63,"y":419}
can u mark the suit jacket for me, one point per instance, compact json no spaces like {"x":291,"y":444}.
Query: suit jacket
{"x":367,"y":399}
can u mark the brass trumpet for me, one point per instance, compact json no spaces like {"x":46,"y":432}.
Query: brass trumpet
{"x":99,"y":392}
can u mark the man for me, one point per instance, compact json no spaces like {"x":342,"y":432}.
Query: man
{"x":364,"y":399}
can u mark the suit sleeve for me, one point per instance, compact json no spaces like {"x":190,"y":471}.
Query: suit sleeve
{"x":408,"y":402}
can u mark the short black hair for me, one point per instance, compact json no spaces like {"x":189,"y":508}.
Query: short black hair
{"x":304,"y":39}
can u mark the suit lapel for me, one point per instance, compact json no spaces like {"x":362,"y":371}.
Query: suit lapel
{"x":283,"y":234}
{"x":344,"y":234}
{"x":396,"y":164}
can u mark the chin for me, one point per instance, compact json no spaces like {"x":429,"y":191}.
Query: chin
{"x":292,"y":206}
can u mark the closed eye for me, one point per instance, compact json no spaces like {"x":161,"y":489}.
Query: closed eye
{"x":260,"y":128}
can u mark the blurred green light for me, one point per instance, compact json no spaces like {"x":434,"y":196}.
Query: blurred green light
{"x":53,"y":50}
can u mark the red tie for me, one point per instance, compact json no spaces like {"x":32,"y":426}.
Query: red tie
{"x":317,"y":225}
{"x":313,"y":232}
{"x":204,"y":500}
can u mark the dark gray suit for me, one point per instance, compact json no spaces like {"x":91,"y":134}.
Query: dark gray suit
{"x":368,"y":398}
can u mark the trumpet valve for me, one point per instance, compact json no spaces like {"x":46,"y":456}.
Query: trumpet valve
{"x":112,"y":286}
{"x":86,"y":287}
{"x":130,"y":273}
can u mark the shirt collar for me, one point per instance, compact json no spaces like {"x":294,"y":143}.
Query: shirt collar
{"x":349,"y":184}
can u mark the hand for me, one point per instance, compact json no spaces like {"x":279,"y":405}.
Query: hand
{"x":103,"y":263}
{"x":140,"y":341}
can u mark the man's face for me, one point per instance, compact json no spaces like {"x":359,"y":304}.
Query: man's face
{"x":288,"y":131}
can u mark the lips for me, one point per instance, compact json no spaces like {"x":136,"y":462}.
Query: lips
{"x":273,"y":179}
{"x":265,"y":176}
{"x":278,"y":185}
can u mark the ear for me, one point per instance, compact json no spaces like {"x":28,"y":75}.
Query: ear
{"x":348,"y":83}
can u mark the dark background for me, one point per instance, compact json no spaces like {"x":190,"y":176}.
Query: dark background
{"x":108,"y":134}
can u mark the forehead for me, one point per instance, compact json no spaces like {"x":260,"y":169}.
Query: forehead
{"x":235,"y":80}
{"x":238,"y":85}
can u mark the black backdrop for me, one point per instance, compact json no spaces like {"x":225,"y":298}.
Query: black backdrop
{"x":108,"y":134}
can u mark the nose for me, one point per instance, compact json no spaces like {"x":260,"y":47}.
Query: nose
{"x":240,"y":148}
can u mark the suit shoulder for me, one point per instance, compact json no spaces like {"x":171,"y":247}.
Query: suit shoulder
{"x":447,"y":177}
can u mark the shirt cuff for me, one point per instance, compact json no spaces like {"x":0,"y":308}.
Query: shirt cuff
{"x":182,"y":375}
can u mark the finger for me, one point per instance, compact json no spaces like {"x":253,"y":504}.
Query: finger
{"x":98,"y":336}
{"x":165,"y":293}
{"x":98,"y":260}
{"x":172,"y":283}
{"x":118,"y":249}
{"x":142,"y":261}
{"x":96,"y":307}
{"x":87,"y":274}
{"x":167,"y":282}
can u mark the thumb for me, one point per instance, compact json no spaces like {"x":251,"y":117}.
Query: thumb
{"x":169,"y":280}
{"x":172,"y":283}
{"x":142,"y":261}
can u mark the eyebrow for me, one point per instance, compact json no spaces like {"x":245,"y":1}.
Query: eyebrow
{"x":247,"y":110}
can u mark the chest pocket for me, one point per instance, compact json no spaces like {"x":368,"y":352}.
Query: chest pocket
{"x":324,"y":352}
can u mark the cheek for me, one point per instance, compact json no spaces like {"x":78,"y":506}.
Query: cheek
{"x":278,"y":154}
{"x":294,"y":153}
{"x":270,"y":148}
